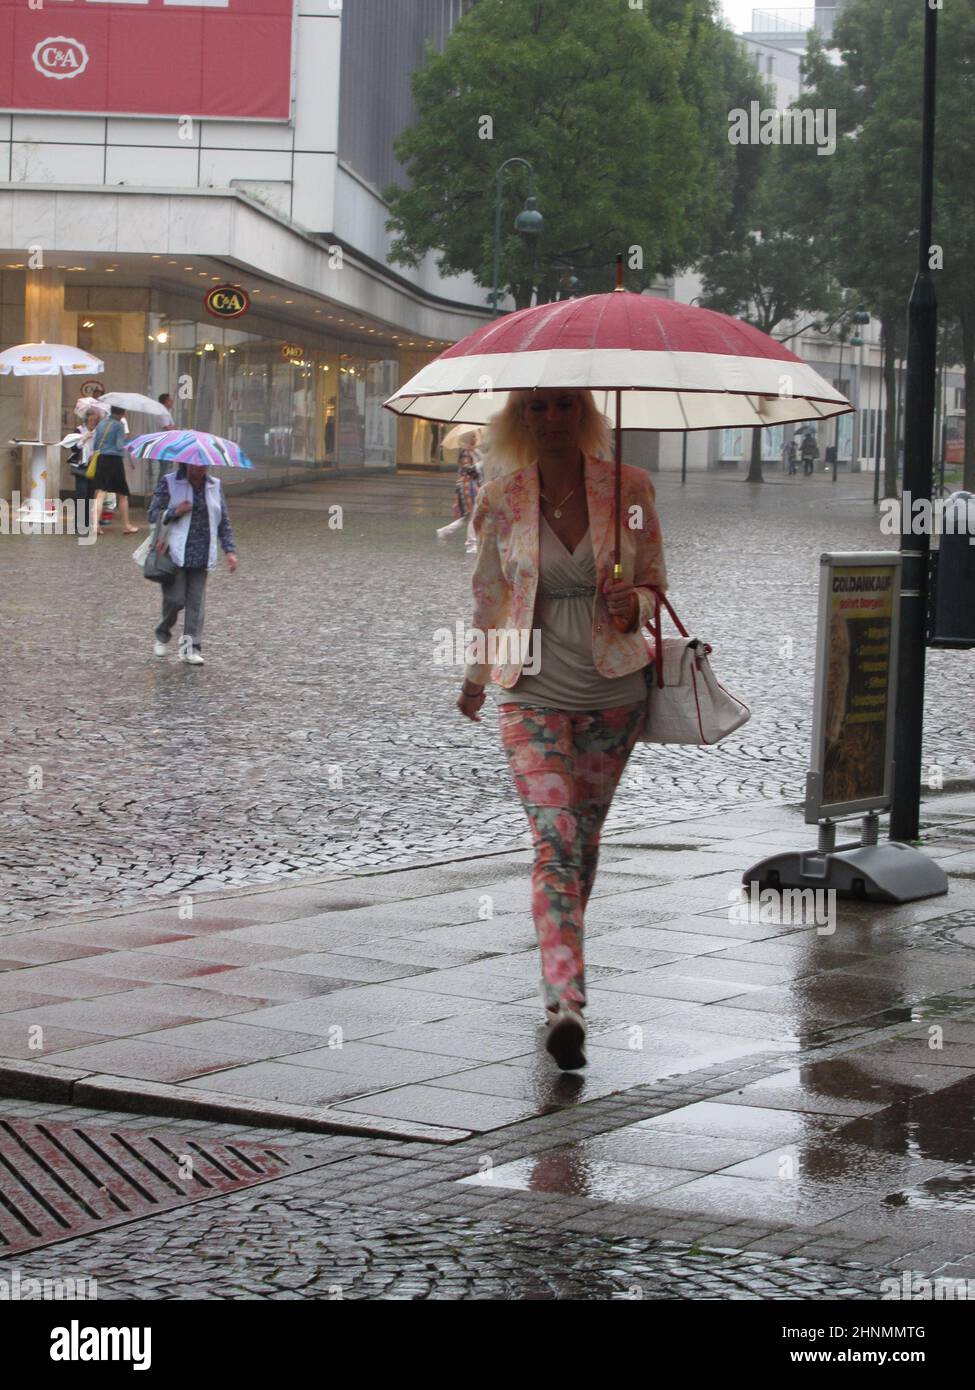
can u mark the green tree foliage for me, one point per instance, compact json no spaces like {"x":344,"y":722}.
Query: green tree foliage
{"x":622,"y":113}
{"x":775,"y":269}
{"x":864,"y":200}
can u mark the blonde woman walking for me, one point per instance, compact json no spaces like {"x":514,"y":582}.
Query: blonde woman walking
{"x":570,"y":708}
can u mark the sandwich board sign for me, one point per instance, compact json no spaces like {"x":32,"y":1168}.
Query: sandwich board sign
{"x":851,"y":768}
{"x":852,"y":761}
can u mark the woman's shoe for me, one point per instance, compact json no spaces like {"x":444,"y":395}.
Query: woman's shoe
{"x":566,"y":1036}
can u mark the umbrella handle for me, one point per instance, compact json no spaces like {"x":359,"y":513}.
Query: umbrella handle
{"x":620,"y":623}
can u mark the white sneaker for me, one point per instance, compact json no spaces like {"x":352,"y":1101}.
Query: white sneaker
{"x":192,"y":658}
{"x":160,"y":648}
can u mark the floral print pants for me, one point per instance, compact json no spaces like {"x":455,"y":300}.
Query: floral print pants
{"x":566,"y":768}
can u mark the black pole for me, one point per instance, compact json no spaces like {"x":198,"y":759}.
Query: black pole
{"x":919,"y":404}
{"x":836,"y":437}
{"x":683,"y":460}
{"x":943,"y":412}
{"x":877,"y":447}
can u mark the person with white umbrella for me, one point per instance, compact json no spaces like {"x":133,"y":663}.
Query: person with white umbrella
{"x":109,"y":446}
{"x":465,"y":494}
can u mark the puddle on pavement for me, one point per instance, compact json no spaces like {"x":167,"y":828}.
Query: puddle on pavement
{"x":847,"y":1078}
{"x":572,"y":1171}
{"x":668,"y":848}
{"x":940,"y":1194}
{"x":937,"y":1006}
{"x":342,"y":905}
{"x":937,"y":1125}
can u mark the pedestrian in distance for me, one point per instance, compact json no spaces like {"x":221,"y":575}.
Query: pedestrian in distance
{"x":573,"y":699}
{"x":190,"y":501}
{"x":809,"y":453}
{"x":78,"y":461}
{"x":166,"y":401}
{"x":465,"y":496}
{"x":792,"y":456}
{"x":109,"y":444}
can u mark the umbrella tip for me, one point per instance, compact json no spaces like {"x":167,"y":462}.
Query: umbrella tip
{"x":619,"y":272}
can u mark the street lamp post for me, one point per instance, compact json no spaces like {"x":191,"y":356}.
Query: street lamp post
{"x":922,"y":335}
{"x":529,"y":221}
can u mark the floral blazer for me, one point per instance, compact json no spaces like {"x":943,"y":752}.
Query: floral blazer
{"x":506,"y":523}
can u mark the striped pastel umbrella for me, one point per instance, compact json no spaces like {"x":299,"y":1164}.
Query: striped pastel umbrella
{"x":189,"y":446}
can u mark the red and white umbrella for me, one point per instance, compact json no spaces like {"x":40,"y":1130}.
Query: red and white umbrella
{"x":651,"y":364}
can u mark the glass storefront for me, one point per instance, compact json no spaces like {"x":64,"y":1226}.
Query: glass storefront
{"x":732,"y":443}
{"x":772,"y":443}
{"x":309,"y":402}
{"x":304,"y":403}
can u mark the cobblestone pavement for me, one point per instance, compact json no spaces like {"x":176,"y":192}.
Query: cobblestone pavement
{"x":275,"y":1247}
{"x":286,"y":1241}
{"x":321,"y":738}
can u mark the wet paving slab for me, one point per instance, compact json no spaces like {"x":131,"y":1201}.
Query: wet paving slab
{"x":772,"y":1076}
{"x":857,"y":1083}
{"x":806,"y":1181}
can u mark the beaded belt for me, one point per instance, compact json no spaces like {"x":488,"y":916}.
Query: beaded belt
{"x":581,"y":591}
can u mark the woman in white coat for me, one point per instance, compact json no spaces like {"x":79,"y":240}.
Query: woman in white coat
{"x":190,"y":500}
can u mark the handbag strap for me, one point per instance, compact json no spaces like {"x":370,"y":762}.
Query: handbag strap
{"x":658,"y":641}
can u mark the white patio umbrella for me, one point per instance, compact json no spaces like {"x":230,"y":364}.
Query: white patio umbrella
{"x":45,"y":359}
{"x":48,"y":359}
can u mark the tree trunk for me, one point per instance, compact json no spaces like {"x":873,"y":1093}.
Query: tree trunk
{"x":755,"y":465}
{"x":890,"y":413}
{"x":968,"y":356}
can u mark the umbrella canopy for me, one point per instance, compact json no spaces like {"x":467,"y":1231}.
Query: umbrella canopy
{"x":189,"y":446}
{"x":460,"y":436}
{"x":668,"y":366}
{"x":132,"y":400}
{"x":49,"y":359}
{"x":85,"y":403}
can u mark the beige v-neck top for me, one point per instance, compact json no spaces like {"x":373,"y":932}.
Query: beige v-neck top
{"x":566,"y":677}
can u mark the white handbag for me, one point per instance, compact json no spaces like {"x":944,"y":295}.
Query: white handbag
{"x":686,"y":703}
{"x":140,"y":553}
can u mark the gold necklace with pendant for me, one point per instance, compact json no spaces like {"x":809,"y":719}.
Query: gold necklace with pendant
{"x":558,"y":510}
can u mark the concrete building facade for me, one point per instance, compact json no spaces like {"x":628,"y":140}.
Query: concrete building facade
{"x":115,"y":227}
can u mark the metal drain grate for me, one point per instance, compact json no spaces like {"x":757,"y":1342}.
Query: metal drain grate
{"x":61,"y":1180}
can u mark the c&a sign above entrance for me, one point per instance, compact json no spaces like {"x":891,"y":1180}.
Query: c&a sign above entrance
{"x":227,"y":301}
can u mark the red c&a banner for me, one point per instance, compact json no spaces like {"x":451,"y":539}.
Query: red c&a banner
{"x":203,"y":58}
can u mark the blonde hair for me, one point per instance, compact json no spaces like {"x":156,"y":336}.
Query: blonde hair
{"x":507,"y":445}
